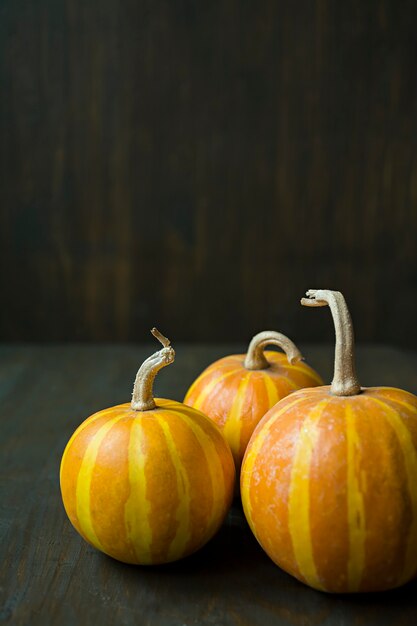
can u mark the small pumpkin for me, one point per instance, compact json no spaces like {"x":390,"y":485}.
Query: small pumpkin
{"x":237,"y":390}
{"x":329,"y":479}
{"x":147,"y":482}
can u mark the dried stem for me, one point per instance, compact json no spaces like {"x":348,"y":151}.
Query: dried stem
{"x":345,"y":381}
{"x":142,"y":396}
{"x":255,"y":358}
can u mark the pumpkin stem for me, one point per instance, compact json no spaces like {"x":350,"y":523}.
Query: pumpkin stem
{"x":256,"y":359}
{"x":142,"y":396}
{"x":345,"y":381}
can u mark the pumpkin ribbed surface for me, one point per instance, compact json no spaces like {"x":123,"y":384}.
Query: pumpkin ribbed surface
{"x":236,"y":398}
{"x":147,"y":486}
{"x":329,"y":488}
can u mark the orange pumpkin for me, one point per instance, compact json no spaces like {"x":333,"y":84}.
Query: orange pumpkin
{"x":236,"y":391}
{"x":329,"y":479}
{"x":147,"y":482}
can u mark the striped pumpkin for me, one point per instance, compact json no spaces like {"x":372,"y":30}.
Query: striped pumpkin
{"x":329,"y":480}
{"x":147,"y":485}
{"x":236,"y":391}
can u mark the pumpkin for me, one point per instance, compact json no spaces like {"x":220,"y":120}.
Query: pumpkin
{"x":329,"y":479}
{"x":150,"y":481}
{"x":237,"y":390}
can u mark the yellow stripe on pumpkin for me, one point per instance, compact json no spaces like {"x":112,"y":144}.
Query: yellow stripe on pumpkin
{"x":306,"y":371}
{"x":209,"y":388}
{"x":271,"y":389}
{"x":288,"y":382}
{"x":410,"y":461}
{"x":90,"y":420}
{"x":406,"y":405}
{"x":138,"y":507}
{"x":233,"y":424}
{"x":213,"y":462}
{"x":84,"y":482}
{"x":252,"y":456}
{"x":299,"y":495}
{"x":355,"y":505}
{"x":183,"y":534}
{"x":209,"y":370}
{"x":206,"y":374}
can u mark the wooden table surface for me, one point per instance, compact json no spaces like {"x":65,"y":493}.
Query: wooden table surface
{"x":49,"y":575}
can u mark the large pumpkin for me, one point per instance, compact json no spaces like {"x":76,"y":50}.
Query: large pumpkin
{"x":237,"y":390}
{"x":329,"y":479}
{"x":147,"y":482}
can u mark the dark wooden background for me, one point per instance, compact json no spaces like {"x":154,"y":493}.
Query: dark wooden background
{"x":198,"y":165}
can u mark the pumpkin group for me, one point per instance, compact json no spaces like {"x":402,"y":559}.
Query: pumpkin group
{"x":328,"y":481}
{"x":237,"y":390}
{"x":147,"y":482}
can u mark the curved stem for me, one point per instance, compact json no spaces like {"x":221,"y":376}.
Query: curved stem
{"x":142,"y":396}
{"x":345,"y":381}
{"x":255,"y":358}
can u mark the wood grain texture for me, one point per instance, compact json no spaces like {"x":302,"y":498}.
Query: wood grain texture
{"x":227,"y":155}
{"x":49,"y":576}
